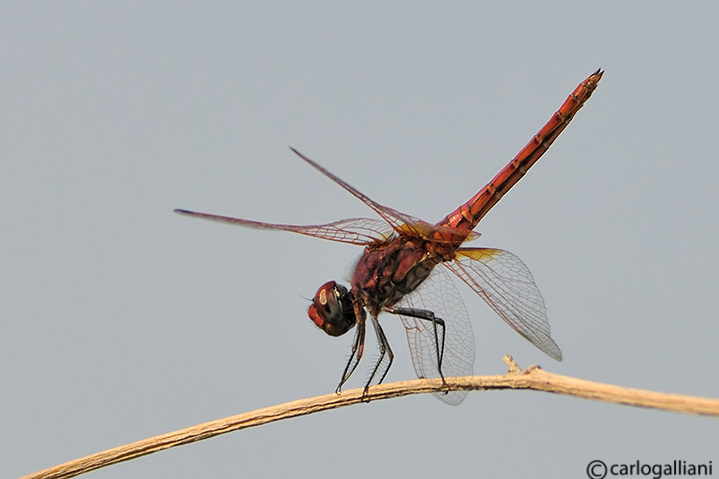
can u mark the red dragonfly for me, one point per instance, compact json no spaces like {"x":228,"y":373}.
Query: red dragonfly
{"x":396,"y":273}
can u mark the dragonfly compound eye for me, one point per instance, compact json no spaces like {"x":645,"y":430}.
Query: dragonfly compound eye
{"x":331,"y":309}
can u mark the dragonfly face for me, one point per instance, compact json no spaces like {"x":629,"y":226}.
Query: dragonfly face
{"x":332,"y":309}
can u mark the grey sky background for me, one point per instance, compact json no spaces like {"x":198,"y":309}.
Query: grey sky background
{"x":121,"y":320}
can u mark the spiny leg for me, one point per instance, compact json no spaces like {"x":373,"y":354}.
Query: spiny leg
{"x":357,"y":345}
{"x":426,"y":315}
{"x":357,"y":350}
{"x":384,"y":351}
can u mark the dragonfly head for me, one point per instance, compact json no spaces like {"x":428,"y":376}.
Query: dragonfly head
{"x":332,"y":309}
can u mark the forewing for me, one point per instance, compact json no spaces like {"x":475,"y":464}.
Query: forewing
{"x":506,"y":284}
{"x":439,"y":294}
{"x":359,"y":231}
{"x":395,"y":218}
{"x":402,"y":223}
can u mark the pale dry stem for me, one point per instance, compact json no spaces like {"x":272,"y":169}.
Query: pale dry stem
{"x":533,"y":378}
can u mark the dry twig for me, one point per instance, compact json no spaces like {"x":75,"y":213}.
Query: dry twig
{"x":533,"y":378}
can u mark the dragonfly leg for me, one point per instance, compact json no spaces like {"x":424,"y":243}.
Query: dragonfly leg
{"x":437,"y":324}
{"x":386,"y":356}
{"x":357,"y":348}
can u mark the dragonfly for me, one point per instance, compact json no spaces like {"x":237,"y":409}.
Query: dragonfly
{"x":404,"y":271}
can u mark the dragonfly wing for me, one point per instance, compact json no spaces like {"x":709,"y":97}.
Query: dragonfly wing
{"x":439,"y":295}
{"x":402,"y":223}
{"x":506,"y":284}
{"x":359,"y":231}
{"x":395,"y":218}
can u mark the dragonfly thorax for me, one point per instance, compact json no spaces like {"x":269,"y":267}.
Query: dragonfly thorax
{"x":385,"y":274}
{"x":332,"y":309}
